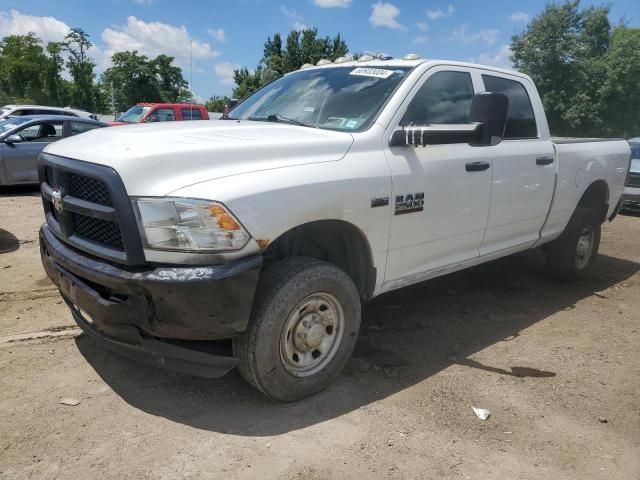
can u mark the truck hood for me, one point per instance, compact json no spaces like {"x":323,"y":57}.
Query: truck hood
{"x":157,"y":159}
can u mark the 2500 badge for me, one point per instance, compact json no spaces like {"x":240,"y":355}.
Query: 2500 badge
{"x":409,"y":203}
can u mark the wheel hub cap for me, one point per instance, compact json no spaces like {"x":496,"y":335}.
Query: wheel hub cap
{"x":311,"y":334}
{"x":584,"y":248}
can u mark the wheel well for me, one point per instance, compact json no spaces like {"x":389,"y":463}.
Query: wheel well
{"x":334,"y":241}
{"x":596,"y":196}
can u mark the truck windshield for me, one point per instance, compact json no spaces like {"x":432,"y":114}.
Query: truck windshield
{"x":134,"y":114}
{"x":336,"y":98}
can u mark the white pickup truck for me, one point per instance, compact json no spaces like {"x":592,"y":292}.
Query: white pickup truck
{"x":268,"y":229}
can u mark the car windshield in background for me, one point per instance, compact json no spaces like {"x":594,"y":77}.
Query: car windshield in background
{"x":10,"y":124}
{"x":337,"y":98}
{"x":134,"y":114}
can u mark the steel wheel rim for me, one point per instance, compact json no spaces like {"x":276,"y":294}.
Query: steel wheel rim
{"x":584,"y":248}
{"x":311,"y":335}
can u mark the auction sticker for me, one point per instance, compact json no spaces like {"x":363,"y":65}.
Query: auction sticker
{"x":371,"y":72}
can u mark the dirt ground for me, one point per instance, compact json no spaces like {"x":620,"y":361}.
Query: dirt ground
{"x":557,"y":365}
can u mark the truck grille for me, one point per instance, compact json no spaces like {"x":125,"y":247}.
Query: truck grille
{"x":634,"y":180}
{"x":99,"y":231}
{"x":87,"y":206}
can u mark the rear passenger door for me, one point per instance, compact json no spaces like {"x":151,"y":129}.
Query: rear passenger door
{"x":523,"y":171}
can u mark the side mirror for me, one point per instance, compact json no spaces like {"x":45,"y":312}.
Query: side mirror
{"x":490,"y":109}
{"x":488,"y":121}
{"x":13,"y":139}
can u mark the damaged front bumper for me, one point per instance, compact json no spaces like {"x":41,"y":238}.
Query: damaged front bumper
{"x":142,"y":313}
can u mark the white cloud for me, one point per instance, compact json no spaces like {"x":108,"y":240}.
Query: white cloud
{"x":49,"y":29}
{"x":519,"y":17}
{"x":486,"y":36}
{"x":224,"y":71}
{"x":332,"y":3}
{"x":299,"y":26}
{"x":218,"y":33}
{"x":384,"y":15}
{"x":422,"y":26}
{"x":154,"y":38}
{"x":420,"y":40}
{"x":439,"y":13}
{"x":500,"y":59}
{"x":297,"y":20}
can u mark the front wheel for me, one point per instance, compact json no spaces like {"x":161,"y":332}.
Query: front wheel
{"x":571,"y":256}
{"x":303,"y":329}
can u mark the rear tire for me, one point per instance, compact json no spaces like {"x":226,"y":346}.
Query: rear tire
{"x":571,"y":256}
{"x":304,"y":327}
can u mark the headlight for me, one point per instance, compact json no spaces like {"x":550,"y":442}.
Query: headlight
{"x":188,"y":225}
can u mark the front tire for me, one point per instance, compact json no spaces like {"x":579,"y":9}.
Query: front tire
{"x":571,"y":256}
{"x":304,"y":327}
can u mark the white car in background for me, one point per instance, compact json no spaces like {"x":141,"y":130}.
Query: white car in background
{"x":10,"y":111}
{"x":631,"y":197}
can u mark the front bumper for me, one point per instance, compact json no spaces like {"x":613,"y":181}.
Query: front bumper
{"x":631,"y":200}
{"x":140,"y":313}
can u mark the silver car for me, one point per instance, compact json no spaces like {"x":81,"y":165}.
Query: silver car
{"x":10,"y":111}
{"x":23,"y":138}
{"x":631,"y":197}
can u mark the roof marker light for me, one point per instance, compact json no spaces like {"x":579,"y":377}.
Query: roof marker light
{"x":348,"y":58}
{"x":306,"y":65}
{"x":411,"y":56}
{"x":384,"y":56}
{"x":366,"y":58}
{"x":324,"y":61}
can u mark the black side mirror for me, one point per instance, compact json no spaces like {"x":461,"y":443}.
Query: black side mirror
{"x":490,"y":110}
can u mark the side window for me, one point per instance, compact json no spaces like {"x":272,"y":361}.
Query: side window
{"x":42,"y":132}
{"x":444,"y":98}
{"x":521,"y":122}
{"x":191,"y":114}
{"x":162,"y":115}
{"x":21,"y":113}
{"x":81,"y":127}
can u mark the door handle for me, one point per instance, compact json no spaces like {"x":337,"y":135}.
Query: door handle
{"x":476,"y":166}
{"x":544,"y":160}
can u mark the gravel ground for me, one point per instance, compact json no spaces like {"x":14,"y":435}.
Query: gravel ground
{"x":557,"y":365}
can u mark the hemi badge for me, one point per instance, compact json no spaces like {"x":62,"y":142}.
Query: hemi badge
{"x":379,"y":202}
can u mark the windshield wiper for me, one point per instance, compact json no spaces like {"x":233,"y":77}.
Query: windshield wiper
{"x":276,"y":117}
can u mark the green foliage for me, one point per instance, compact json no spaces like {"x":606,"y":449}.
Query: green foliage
{"x":584,"y":69}
{"x":134,"y":78}
{"x":80,"y":65}
{"x":301,"y":47}
{"x":22,"y":58}
{"x":217,"y":103}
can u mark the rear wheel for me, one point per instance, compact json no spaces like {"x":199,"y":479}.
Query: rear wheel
{"x":571,"y":256}
{"x":303,"y":329}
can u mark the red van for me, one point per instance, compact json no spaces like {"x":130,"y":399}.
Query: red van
{"x":162,"y":112}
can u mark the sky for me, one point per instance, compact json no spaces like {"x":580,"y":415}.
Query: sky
{"x":221,"y":35}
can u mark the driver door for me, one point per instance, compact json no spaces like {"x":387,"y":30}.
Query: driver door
{"x":20,"y":158}
{"x":440,"y":195}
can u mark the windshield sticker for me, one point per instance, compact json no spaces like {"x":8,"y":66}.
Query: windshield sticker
{"x":309,"y":109}
{"x":371,"y":72}
{"x":352,"y":124}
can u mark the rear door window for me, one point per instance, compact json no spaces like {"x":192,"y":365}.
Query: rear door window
{"x":42,"y":132}
{"x":521,"y":122}
{"x":191,"y":114}
{"x":81,"y":127}
{"x":162,"y":115}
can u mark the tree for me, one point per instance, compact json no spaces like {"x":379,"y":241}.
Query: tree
{"x":582,"y":67}
{"x":171,"y":84}
{"x":54,"y":88}
{"x":21,"y":61}
{"x":301,"y":47}
{"x":133,"y":80}
{"x":80,"y":65}
{"x":217,"y":103}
